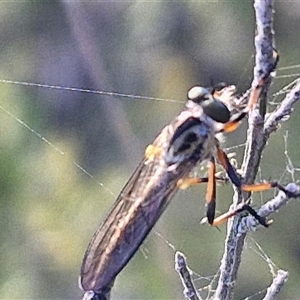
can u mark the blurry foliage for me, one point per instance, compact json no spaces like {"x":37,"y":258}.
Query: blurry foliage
{"x":50,"y":209}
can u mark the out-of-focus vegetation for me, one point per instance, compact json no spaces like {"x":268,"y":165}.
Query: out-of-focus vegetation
{"x":49,"y":208}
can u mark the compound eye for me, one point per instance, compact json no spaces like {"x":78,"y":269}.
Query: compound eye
{"x":199,"y":94}
{"x":217,"y":110}
{"x":212,"y":107}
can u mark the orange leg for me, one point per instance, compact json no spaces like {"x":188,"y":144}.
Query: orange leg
{"x":256,"y":187}
{"x":211,"y":193}
{"x":231,"y":172}
{"x":211,"y":189}
{"x":240,"y":208}
{"x":224,"y":161}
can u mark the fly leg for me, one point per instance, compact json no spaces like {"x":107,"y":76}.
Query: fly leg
{"x":211,"y":189}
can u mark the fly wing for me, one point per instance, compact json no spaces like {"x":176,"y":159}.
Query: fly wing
{"x":132,"y":216}
{"x":179,"y":146}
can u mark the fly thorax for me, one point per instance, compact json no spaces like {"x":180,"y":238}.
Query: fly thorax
{"x":192,"y":140}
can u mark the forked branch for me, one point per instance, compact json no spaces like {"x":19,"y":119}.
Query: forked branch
{"x":257,"y":136}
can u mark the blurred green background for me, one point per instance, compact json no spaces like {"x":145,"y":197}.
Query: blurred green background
{"x":50,"y":208}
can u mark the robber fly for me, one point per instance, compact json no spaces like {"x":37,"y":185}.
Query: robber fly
{"x":188,"y":140}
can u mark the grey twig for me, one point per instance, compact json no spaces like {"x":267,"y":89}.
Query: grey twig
{"x":283,"y":110}
{"x":255,"y":144}
{"x":276,"y":286}
{"x":183,"y":271}
{"x":250,"y":224}
{"x":264,"y":59}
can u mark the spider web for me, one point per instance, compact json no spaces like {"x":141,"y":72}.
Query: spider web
{"x":66,"y":151}
{"x":205,"y":285}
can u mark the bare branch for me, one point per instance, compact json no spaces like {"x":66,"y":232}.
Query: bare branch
{"x":264,"y":59}
{"x":255,"y":144}
{"x":277,"y":284}
{"x":250,"y":224}
{"x":284,"y":109}
{"x":183,"y":271}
